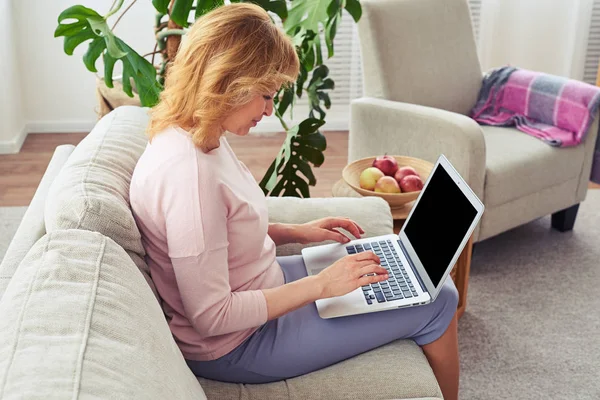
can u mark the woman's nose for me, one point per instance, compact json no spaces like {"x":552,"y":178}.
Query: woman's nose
{"x":269,"y":108}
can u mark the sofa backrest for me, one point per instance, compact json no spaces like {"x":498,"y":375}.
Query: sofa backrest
{"x":91,"y":191}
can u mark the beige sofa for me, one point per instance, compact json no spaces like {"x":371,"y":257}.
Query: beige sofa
{"x":78,"y":316}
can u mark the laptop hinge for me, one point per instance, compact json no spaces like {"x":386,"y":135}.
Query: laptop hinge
{"x":423,"y":288}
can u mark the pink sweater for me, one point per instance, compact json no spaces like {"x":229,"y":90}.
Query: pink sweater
{"x":203,"y":220}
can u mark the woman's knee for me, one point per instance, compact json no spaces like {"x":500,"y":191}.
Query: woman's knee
{"x":443,"y":310}
{"x":448,"y":296}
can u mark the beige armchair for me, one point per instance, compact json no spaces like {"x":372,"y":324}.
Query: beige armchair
{"x":421,"y":78}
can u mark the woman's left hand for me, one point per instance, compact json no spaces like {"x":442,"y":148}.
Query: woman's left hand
{"x":325,"y":229}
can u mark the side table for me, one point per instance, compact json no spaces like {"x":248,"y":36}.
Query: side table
{"x":460,"y":272}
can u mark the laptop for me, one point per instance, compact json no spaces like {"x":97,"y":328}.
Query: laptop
{"x":418,"y":259}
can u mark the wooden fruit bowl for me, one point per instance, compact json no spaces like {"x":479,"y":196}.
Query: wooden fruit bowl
{"x":352,"y":171}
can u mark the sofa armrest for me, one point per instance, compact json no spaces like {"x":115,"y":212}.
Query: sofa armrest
{"x":32,"y":226}
{"x":371,"y":213}
{"x":380,"y":126}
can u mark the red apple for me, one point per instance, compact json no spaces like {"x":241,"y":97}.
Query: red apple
{"x":387,"y":184}
{"x":387,"y":164}
{"x":369,"y":177}
{"x":411,"y":183}
{"x":404,"y":171}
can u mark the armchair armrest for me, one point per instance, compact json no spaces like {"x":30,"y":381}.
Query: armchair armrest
{"x":371,"y":213}
{"x":380,"y":126}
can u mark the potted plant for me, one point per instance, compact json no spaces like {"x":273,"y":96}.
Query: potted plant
{"x":290,"y":173}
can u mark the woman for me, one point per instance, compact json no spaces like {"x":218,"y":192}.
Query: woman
{"x":238,"y":313}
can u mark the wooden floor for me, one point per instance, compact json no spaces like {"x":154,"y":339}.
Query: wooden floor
{"x":21,"y":173}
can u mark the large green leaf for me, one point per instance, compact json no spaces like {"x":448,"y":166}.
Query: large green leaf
{"x":162,"y":6}
{"x":307,"y":14}
{"x":100,"y":28}
{"x":286,"y":100}
{"x":96,"y":47}
{"x":137,"y":68}
{"x":180,"y":11}
{"x":315,"y":91}
{"x":278,"y":7}
{"x":330,"y":32}
{"x":204,"y":6}
{"x":353,"y":7}
{"x":304,"y":144}
{"x":90,"y":25}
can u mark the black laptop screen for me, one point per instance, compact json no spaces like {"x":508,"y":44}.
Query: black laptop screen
{"x":438,"y":224}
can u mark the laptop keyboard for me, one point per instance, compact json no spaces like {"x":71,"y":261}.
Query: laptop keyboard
{"x":398,"y":286}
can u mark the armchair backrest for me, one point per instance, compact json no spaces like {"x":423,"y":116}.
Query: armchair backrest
{"x":420,"y":52}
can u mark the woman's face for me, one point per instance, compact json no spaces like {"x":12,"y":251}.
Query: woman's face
{"x":241,"y":120}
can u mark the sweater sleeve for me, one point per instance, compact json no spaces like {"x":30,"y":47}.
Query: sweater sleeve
{"x":196,"y":230}
{"x":210,"y":305}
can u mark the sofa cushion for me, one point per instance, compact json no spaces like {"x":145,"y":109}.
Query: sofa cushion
{"x":518,"y":164}
{"x":78,"y":321}
{"x":92,"y":190}
{"x":354,"y":378}
{"x":371,"y":213}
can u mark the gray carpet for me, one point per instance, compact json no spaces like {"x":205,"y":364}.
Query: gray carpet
{"x":531,"y":329}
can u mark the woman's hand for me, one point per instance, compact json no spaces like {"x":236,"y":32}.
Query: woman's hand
{"x":325,"y":229}
{"x":351,"y":272}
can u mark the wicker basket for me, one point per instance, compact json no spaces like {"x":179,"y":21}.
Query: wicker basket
{"x":111,"y":98}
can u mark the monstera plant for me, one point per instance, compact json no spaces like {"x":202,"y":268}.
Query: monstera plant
{"x":307,"y":22}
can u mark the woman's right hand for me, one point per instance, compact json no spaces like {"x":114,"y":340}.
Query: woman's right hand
{"x":350,"y":272}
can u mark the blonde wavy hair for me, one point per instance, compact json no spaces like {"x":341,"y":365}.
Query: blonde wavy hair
{"x":229,"y":55}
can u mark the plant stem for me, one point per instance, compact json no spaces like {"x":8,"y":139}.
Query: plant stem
{"x":169,"y":32}
{"x":158,"y":17}
{"x":114,"y":8}
{"x":281,"y":119}
{"x":112,"y":5}
{"x":153,"y":53}
{"x":123,"y":13}
{"x":160,"y":27}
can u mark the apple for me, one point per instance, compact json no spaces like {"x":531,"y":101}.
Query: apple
{"x":369,"y":177}
{"x":387,"y":164}
{"x":411,"y":183}
{"x":404,"y":171}
{"x":387,"y":184}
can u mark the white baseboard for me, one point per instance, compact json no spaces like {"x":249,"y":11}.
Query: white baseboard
{"x":13,"y":146}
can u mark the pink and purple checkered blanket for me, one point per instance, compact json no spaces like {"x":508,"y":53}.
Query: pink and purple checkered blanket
{"x":557,"y":110}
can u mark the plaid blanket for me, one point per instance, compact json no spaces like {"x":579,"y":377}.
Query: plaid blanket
{"x":557,"y":110}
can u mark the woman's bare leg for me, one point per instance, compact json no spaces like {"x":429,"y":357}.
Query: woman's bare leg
{"x":443,"y":358}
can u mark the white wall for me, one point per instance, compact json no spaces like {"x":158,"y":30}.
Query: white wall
{"x":11,"y":107}
{"x":49,"y":91}
{"x":549,"y":37}
{"x":59,"y":91}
